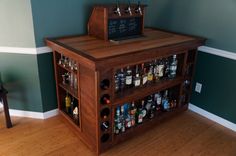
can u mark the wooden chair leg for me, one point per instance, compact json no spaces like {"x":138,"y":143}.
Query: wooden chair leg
{"x":6,"y":111}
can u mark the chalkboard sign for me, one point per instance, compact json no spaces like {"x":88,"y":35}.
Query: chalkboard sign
{"x":122,"y":28}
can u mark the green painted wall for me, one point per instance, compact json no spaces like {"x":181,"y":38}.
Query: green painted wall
{"x":58,"y":18}
{"x":16,"y":25}
{"x":214,"y":20}
{"x":20,"y":76}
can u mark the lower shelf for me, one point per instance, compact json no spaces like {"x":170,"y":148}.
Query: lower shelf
{"x":73,"y":121}
{"x":146,"y":125}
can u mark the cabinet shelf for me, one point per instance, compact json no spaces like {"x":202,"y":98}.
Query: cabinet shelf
{"x":140,"y":92}
{"x":70,"y":90}
{"x":147,"y":124}
{"x":67,"y":69}
{"x":70,"y":119}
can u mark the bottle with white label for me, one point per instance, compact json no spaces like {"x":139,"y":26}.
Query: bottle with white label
{"x":158,"y":99}
{"x":156,"y":71}
{"x":128,"y":77}
{"x":137,"y":79}
{"x":161,"y":69}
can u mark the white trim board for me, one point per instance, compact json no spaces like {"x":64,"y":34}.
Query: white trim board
{"x":213,"y":117}
{"x":19,"y":50}
{"x":218,"y":52}
{"x":36,"y":115}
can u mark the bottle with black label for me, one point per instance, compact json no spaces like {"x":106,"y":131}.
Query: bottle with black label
{"x":128,"y":77}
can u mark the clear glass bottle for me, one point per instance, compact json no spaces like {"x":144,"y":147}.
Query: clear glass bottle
{"x":122,"y":119}
{"x":117,"y":83}
{"x":161,"y":69}
{"x":173,"y":67}
{"x":133,"y":110}
{"x":158,"y":100}
{"x":166,"y":68}
{"x":137,"y":79}
{"x":121,"y":76}
{"x":118,"y":124}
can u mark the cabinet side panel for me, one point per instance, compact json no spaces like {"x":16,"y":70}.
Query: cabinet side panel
{"x":88,"y":105}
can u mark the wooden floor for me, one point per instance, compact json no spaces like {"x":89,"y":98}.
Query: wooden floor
{"x":185,"y":135}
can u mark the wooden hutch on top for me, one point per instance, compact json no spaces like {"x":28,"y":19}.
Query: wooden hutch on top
{"x":110,"y":89}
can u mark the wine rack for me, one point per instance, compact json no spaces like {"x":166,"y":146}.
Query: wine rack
{"x":99,"y":91}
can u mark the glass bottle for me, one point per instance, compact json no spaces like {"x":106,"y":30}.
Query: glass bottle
{"x":139,"y":115}
{"x":173,"y":67}
{"x":67,"y":102}
{"x":150,"y":73}
{"x":128,"y":77}
{"x":144,"y":110}
{"x":133,"y":110}
{"x":166,"y":68}
{"x":155,"y":71}
{"x":144,"y":75}
{"x":118,"y":124}
{"x":165,"y":101}
{"x":161,"y":69}
{"x":121,"y":76}
{"x":158,"y":99}
{"x":117,"y":85}
{"x":137,"y":79}
{"x":122,"y":119}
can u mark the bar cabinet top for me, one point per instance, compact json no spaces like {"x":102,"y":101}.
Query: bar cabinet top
{"x":97,"y":49}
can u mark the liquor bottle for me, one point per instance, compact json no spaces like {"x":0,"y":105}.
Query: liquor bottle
{"x":105,"y":126}
{"x":118,"y":124}
{"x":75,"y":84}
{"x":71,"y":79}
{"x":128,"y":120}
{"x":128,"y":77}
{"x":76,"y":115}
{"x":150,"y":73}
{"x":144,"y":75}
{"x":155,"y":71}
{"x":61,"y":60}
{"x":161,"y":69}
{"x":166,"y":68}
{"x":137,"y":79}
{"x":165,"y":102}
{"x":133,"y":110}
{"x":139,"y":115}
{"x":158,"y":99}
{"x":121,"y":76}
{"x":117,"y":84}
{"x":173,"y":67}
{"x":67,"y":102}
{"x":105,"y":99}
{"x":149,"y":106}
{"x":144,"y":110}
{"x":72,"y":105}
{"x":122,"y":118}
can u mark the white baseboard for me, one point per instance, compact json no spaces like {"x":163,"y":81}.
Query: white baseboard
{"x":213,"y":117}
{"x":35,"y":115}
{"x":20,"y":50}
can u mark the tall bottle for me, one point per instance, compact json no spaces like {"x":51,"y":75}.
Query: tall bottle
{"x":144,"y":75}
{"x":67,"y":102}
{"x":166,"y":68}
{"x":165,"y":101}
{"x":144,"y":110}
{"x":137,"y":79}
{"x":156,"y":71}
{"x":173,"y":67}
{"x":128,"y":77}
{"x":133,"y":110}
{"x":158,"y":99}
{"x":161,"y":69}
{"x":117,"y":83}
{"x":150,"y":73}
{"x":122,"y":118}
{"x":139,"y":115}
{"x":121,"y":76}
{"x":118,"y":124}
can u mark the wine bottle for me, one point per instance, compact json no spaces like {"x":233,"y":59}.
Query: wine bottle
{"x":105,"y":126}
{"x":105,"y":99}
{"x":105,"y":84}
